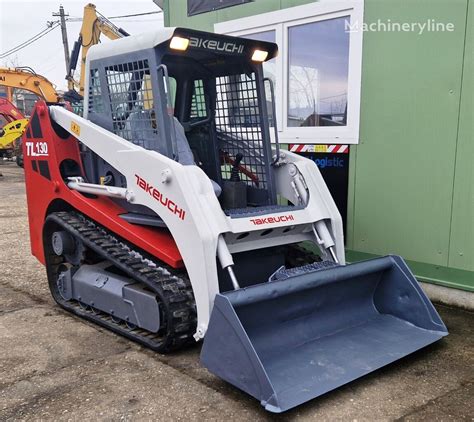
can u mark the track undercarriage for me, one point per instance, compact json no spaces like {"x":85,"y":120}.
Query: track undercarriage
{"x":92,"y":245}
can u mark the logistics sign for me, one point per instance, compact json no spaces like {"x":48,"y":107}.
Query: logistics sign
{"x":334,"y":156}
{"x":333,"y":162}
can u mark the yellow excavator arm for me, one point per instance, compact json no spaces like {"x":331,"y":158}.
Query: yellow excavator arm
{"x":12,"y":131}
{"x":25,"y":78}
{"x":93,"y":26}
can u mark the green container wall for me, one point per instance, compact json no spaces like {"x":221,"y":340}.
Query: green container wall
{"x":461,"y":251}
{"x":411,"y":176}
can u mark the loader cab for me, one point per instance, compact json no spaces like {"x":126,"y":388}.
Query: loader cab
{"x":195,"y":97}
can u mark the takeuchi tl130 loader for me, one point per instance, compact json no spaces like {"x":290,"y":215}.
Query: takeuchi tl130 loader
{"x":166,"y":215}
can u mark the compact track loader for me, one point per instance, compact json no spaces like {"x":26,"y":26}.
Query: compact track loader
{"x":166,"y":215}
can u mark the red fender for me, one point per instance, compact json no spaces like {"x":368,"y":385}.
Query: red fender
{"x":44,"y":151}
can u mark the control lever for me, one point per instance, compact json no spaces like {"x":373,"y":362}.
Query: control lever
{"x":234,"y":174}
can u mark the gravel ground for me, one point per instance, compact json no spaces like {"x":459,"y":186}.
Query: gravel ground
{"x":54,"y":366}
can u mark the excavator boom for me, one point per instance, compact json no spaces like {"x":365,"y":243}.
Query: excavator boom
{"x":93,"y":25}
{"x":27,"y":79}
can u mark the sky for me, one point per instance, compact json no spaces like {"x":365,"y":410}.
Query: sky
{"x":46,"y":56}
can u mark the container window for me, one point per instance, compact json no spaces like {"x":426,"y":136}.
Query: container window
{"x":318,"y":76}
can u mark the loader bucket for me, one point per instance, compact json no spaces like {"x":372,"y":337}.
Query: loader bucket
{"x":286,"y":342}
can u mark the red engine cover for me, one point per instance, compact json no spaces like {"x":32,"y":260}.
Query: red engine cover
{"x":44,"y":151}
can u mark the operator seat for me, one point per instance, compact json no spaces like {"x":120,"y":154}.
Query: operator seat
{"x":185,"y":155}
{"x":139,"y":125}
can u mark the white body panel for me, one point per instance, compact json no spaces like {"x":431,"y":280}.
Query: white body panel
{"x":126,"y":45}
{"x":129,"y":45}
{"x":196,"y":231}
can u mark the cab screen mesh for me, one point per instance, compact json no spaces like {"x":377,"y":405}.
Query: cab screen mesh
{"x":239,"y":125}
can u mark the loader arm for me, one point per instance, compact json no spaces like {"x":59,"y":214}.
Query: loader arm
{"x":193,"y":201}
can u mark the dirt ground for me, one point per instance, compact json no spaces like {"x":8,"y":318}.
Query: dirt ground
{"x":54,"y":366}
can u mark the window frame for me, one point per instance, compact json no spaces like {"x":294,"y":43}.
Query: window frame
{"x":280,"y":21}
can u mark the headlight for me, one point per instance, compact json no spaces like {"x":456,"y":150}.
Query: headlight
{"x":259,"y":55}
{"x":178,"y":43}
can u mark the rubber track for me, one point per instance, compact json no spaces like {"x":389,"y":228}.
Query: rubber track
{"x":176,"y":299}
